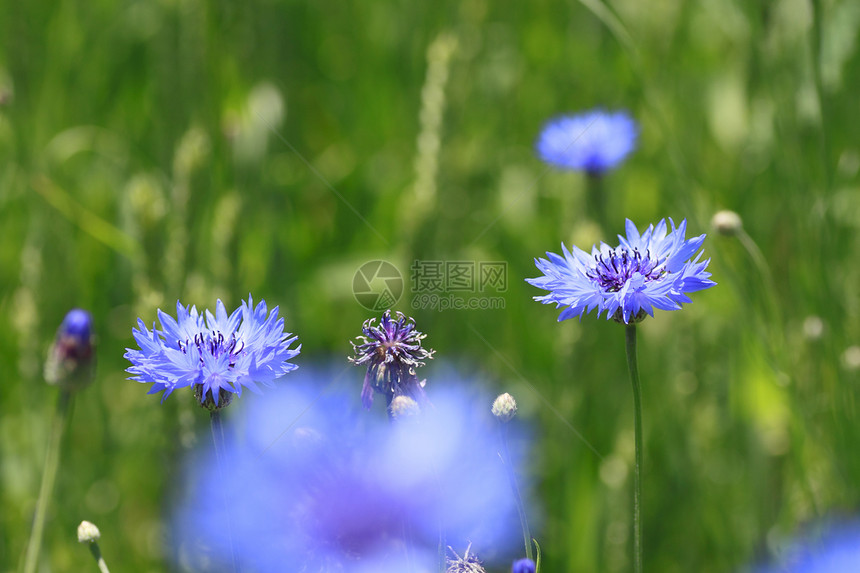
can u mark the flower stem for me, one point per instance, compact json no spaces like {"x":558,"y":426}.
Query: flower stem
{"x":94,"y":549}
{"x":518,"y":499}
{"x":49,"y":475}
{"x":218,"y":441}
{"x":633,"y":367}
{"x":595,"y":200}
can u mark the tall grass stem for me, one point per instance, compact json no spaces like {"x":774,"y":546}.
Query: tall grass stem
{"x":49,"y":476}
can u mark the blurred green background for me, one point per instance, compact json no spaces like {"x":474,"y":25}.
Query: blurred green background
{"x":190,"y":149}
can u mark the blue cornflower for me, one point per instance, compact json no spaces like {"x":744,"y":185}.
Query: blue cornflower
{"x":835,"y":550}
{"x":327,"y":488}
{"x":215,"y":354}
{"x":653,"y":270}
{"x":391,"y":351}
{"x":71,"y":358}
{"x":523,"y":566}
{"x":594,"y":142}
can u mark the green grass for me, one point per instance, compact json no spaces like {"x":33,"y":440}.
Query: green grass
{"x":192,"y":149}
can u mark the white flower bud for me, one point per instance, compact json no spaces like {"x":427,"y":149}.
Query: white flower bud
{"x":88,"y":532}
{"x":504,"y":407}
{"x":403,"y":406}
{"x":727,"y":223}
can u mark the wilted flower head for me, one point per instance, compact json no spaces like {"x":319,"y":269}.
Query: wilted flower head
{"x":391,"y":351}
{"x":215,"y":354}
{"x":653,"y":270}
{"x":594,"y":142}
{"x":70,"y":361}
{"x":524,"y":565}
{"x":465,"y":564}
{"x":835,"y":550}
{"x":326,"y":488}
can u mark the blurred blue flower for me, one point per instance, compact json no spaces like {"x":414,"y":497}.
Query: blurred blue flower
{"x":392,"y":351}
{"x":594,"y":142}
{"x":71,"y":359}
{"x":309,"y":482}
{"x":835,"y":550}
{"x":215,"y":354}
{"x":653,"y":270}
{"x":523,"y":566}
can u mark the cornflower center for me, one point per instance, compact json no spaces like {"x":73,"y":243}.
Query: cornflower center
{"x":215,"y":344}
{"x":613,"y":269}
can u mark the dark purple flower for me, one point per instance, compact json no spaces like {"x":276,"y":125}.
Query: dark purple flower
{"x":391,"y":351}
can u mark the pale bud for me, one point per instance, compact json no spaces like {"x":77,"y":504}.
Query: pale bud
{"x":504,"y":407}
{"x":88,"y":532}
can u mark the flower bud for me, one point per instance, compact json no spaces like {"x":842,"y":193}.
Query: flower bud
{"x":88,"y":532}
{"x":523,"y":566}
{"x":727,"y":223}
{"x":504,"y":407}
{"x":71,"y":362}
{"x":403,"y":406}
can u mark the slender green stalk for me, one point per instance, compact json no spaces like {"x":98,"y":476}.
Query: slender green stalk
{"x":595,"y":200}
{"x":49,"y":475}
{"x":518,"y":499}
{"x":633,"y":366}
{"x":218,"y":441}
{"x":94,"y":549}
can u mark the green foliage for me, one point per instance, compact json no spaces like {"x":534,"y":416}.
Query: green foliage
{"x":194,"y":149}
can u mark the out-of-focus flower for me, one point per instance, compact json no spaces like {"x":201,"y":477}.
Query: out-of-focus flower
{"x":403,"y":406}
{"x":653,"y":270}
{"x":594,"y":142}
{"x":835,"y":550}
{"x":727,"y":223}
{"x":71,"y":359}
{"x":215,"y":354}
{"x":504,"y":407}
{"x":391,"y":351}
{"x":523,"y":566}
{"x":465,"y":564}
{"x":310,"y":480}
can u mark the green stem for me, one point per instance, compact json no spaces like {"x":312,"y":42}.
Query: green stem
{"x":518,"y":499}
{"x":94,"y":549}
{"x":595,"y":200}
{"x":218,"y":441}
{"x":632,"y":365}
{"x":49,"y":475}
